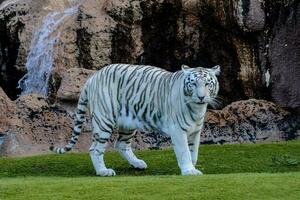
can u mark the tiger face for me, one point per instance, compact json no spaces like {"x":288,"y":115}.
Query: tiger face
{"x":201,"y":85}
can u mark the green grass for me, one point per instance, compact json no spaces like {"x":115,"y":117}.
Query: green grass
{"x":213,"y":159}
{"x":248,"y":171}
{"x":229,"y":186}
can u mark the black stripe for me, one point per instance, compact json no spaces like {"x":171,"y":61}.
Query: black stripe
{"x":178,"y":121}
{"x":80,"y":112}
{"x":77,"y":122}
{"x":112,"y":105}
{"x":76,"y":132}
{"x":130,"y":91}
{"x":114,"y":73}
{"x":125,"y":139}
{"x":101,"y":141}
{"x":131,"y":76}
{"x":82,"y":103}
{"x":145,"y":113}
{"x":130,"y":133}
{"x":191,"y":112}
{"x":99,"y":152}
{"x":97,"y":120}
{"x":67,"y":148}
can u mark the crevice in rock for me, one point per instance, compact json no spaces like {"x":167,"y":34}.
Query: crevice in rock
{"x":122,"y":42}
{"x":284,"y":19}
{"x":83,"y":42}
{"x":9,"y":47}
{"x":159,"y":28}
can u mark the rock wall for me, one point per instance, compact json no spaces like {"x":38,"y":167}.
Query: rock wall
{"x":29,"y":124}
{"x":256,"y":42}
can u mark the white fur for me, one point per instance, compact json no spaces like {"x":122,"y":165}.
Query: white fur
{"x":148,"y":99}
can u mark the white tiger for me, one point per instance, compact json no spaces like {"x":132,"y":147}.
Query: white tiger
{"x":123,"y":98}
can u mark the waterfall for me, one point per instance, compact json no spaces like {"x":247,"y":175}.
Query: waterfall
{"x":40,"y":58}
{"x":2,"y":137}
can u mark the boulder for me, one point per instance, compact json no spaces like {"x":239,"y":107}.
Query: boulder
{"x":71,"y":83}
{"x":34,"y":126}
{"x":7,"y":110}
{"x":250,"y":121}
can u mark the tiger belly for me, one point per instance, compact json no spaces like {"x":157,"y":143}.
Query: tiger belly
{"x":130,"y":122}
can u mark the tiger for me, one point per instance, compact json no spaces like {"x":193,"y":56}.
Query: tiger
{"x":123,"y":98}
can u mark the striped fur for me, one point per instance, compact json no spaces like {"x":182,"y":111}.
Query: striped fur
{"x":125,"y":98}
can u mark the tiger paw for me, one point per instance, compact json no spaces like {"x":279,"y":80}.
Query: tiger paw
{"x":191,"y":172}
{"x":139,"y":164}
{"x":106,"y":172}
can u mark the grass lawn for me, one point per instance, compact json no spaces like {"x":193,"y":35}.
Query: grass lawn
{"x":224,"y":186}
{"x":248,"y":171}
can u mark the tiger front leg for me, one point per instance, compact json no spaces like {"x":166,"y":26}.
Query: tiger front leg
{"x":194,"y":142}
{"x":183,"y":155}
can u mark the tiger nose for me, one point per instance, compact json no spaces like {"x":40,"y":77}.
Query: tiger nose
{"x":201,"y":98}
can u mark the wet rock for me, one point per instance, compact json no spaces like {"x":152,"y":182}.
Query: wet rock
{"x":19,"y":20}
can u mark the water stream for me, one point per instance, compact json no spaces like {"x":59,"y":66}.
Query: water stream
{"x":2,"y":137}
{"x":40,"y":58}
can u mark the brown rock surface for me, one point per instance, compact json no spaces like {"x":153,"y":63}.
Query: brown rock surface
{"x":34,"y":126}
{"x":250,"y":121}
{"x":72,"y":81}
{"x":7,"y":109}
{"x":247,"y":38}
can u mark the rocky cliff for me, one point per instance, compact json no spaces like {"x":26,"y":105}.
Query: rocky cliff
{"x":256,"y":42}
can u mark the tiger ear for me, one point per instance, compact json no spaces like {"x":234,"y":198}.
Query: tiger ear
{"x":185,"y":68}
{"x":216,"y":70}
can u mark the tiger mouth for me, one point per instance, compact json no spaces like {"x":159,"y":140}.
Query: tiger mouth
{"x":200,"y":103}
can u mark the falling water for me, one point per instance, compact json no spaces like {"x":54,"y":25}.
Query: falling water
{"x":40,"y":58}
{"x":2,"y":137}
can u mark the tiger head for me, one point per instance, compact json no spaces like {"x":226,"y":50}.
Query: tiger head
{"x":201,"y":85}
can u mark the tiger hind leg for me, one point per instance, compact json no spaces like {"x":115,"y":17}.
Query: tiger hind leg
{"x":123,"y":145}
{"x":97,"y":155}
{"x":97,"y":150}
